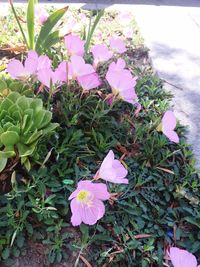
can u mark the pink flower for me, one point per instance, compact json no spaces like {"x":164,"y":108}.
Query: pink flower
{"x":168,"y":126}
{"x":86,"y":204}
{"x":41,"y":14}
{"x":118,"y":66}
{"x":79,"y":68}
{"x":121,"y":82}
{"x":19,"y":71}
{"x":100,"y":53}
{"x":74,"y":45}
{"x":182,"y":258}
{"x":32,"y":64}
{"x":43,"y":62}
{"x":48,"y":76}
{"x":117,"y":45}
{"x":112,"y":170}
{"x":65,"y":68}
{"x":89,"y":81}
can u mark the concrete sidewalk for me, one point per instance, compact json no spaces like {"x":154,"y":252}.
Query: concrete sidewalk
{"x":173,"y":36}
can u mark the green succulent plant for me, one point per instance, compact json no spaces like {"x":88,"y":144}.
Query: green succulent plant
{"x":6,"y":87}
{"x":23,"y":122}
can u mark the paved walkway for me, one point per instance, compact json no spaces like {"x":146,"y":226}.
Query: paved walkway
{"x":171,"y":29}
{"x":173,"y":36}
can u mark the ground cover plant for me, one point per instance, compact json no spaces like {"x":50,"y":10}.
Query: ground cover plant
{"x":95,"y":170}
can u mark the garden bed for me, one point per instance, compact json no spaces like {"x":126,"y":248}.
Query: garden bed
{"x":156,"y":208}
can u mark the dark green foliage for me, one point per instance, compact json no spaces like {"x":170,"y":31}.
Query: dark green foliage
{"x":156,"y":205}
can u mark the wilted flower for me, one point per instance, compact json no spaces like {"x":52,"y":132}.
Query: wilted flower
{"x":79,"y":68}
{"x":100,"y":53}
{"x":41,"y":14}
{"x":182,"y":258}
{"x":112,"y":170}
{"x":168,"y":125}
{"x":117,"y":45}
{"x":90,"y":81}
{"x":86,"y":204}
{"x":74,"y":45}
{"x":121,"y":82}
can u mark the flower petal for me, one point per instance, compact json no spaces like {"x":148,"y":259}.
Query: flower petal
{"x":16,"y":69}
{"x":172,"y":135}
{"x":76,"y":213}
{"x":182,"y":258}
{"x":169,"y":120}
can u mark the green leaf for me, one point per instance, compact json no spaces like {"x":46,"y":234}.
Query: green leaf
{"x":68,"y":181}
{"x":50,"y":128}
{"x":27,"y":164}
{"x":5,"y":253}
{"x":85,"y":233}
{"x":7,"y":154}
{"x":3,"y":163}
{"x":47,"y":27}
{"x":3,"y":85}
{"x":52,"y":39}
{"x":30,"y":23}
{"x":9,"y":138}
{"x":13,"y":238}
{"x":24,"y":150}
{"x":23,"y":102}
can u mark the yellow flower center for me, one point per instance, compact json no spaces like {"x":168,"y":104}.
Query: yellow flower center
{"x":116,"y":93}
{"x":84,"y":197}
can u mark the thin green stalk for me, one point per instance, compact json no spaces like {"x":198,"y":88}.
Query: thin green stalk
{"x":91,"y":30}
{"x":50,"y":94}
{"x":18,"y":22}
{"x":88,"y":32}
